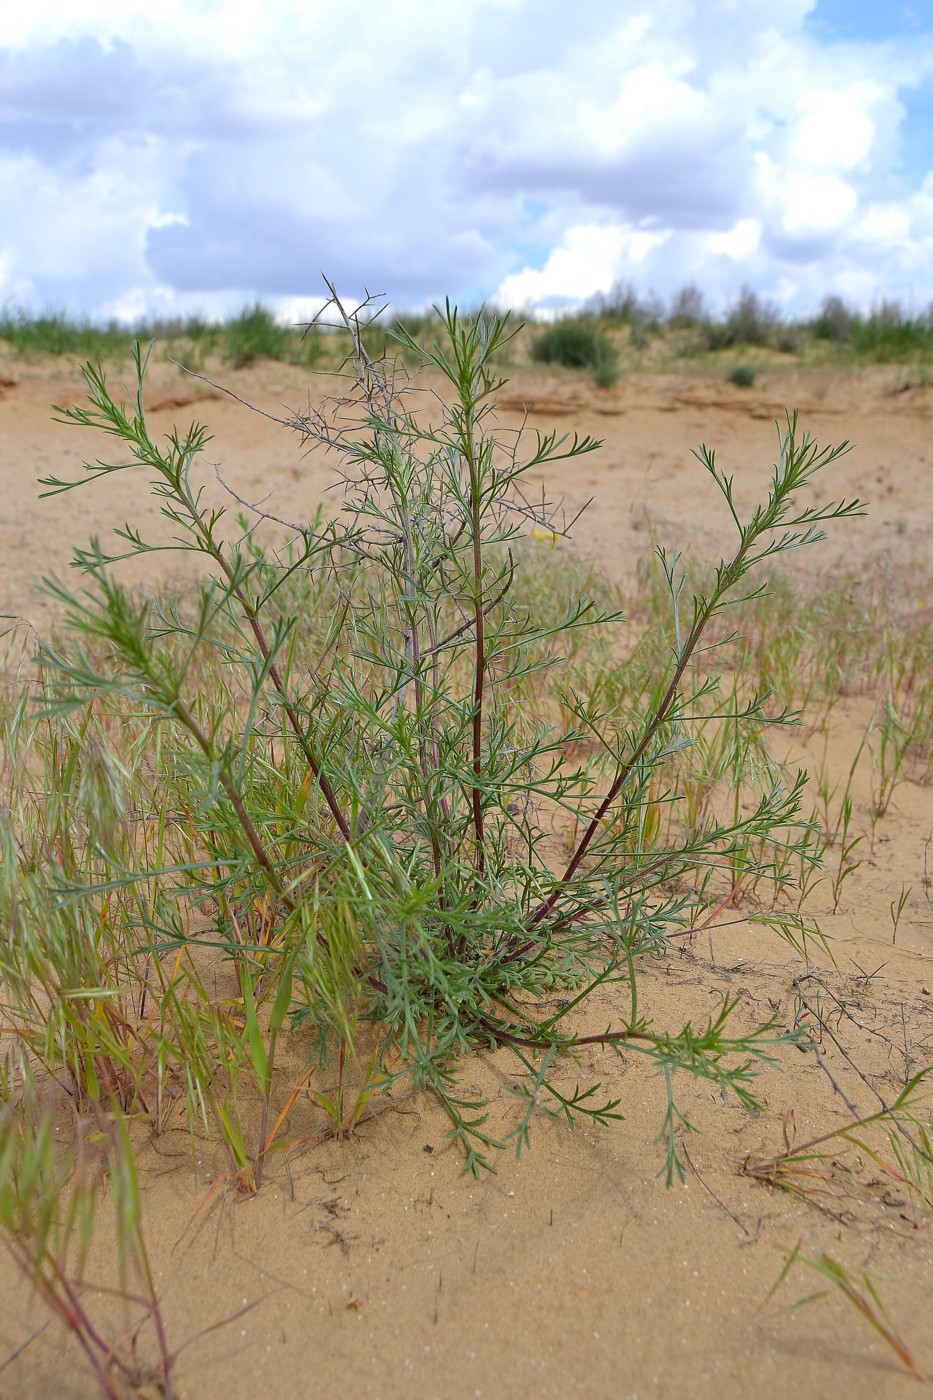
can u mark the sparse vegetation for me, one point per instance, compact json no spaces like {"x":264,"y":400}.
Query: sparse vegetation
{"x":386,"y":861}
{"x":399,"y":790}
{"x":56,"y":333}
{"x":577,"y":345}
{"x":617,"y":330}
{"x":256,"y":335}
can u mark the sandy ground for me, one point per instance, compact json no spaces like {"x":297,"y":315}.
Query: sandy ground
{"x":374,"y":1267}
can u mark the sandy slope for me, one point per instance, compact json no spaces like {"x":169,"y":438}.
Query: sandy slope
{"x":376,"y":1267}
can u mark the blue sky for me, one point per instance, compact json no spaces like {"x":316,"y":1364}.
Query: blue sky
{"x":869,"y":20}
{"x":191,"y":156}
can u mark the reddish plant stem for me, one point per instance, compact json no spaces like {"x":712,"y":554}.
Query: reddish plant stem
{"x":236,"y":801}
{"x":627,"y":768}
{"x":479,"y":640}
{"x":252,"y":618}
{"x":313,"y":762}
{"x":415,"y":643}
{"x":72,"y":1313}
{"x":465,"y":627}
{"x":442,"y":803}
{"x":534,"y":1043}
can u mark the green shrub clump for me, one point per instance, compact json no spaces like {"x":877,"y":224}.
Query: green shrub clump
{"x":256,"y":335}
{"x":316,"y":803}
{"x":56,"y":333}
{"x":743,"y":376}
{"x":750,"y":321}
{"x":834,"y":321}
{"x":577,"y":345}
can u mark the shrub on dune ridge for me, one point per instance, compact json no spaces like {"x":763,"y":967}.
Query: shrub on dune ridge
{"x":750,"y":321}
{"x":255,"y":334}
{"x":577,"y":345}
{"x":683,"y":329}
{"x":56,"y":333}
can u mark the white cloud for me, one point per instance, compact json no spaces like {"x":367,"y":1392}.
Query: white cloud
{"x":166,"y":220}
{"x":739,"y":242}
{"x":921,"y":207}
{"x":884,"y":224}
{"x":834,"y":130}
{"x":232,"y":26}
{"x":816,"y":203}
{"x":587,"y":262}
{"x":202,"y":152}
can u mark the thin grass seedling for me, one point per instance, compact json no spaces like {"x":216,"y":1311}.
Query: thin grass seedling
{"x":894,"y":740}
{"x":908,"y":1138}
{"x":862,"y":1294}
{"x":897,"y":908}
{"x":847,"y":845}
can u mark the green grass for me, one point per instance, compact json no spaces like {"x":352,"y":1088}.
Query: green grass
{"x":383,"y":814}
{"x":256,"y":335}
{"x":577,"y":345}
{"x":647,"y":337}
{"x":620,"y":333}
{"x":742,"y":376}
{"x":252,"y":335}
{"x":56,"y":333}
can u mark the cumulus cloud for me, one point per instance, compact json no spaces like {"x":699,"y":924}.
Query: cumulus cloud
{"x":739,"y":242}
{"x":202,"y":152}
{"x":835,"y":130}
{"x":586,"y":262}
